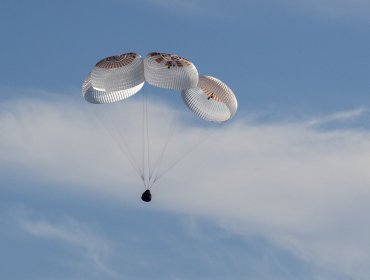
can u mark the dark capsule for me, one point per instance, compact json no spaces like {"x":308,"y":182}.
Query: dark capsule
{"x":146,"y":196}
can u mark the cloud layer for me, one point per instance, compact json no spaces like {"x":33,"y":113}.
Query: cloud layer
{"x":301,"y":187}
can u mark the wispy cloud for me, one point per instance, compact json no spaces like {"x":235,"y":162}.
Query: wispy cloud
{"x":343,"y":116}
{"x":73,"y":233}
{"x":303,"y":188}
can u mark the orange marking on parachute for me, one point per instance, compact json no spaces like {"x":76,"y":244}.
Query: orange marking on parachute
{"x":211,"y":95}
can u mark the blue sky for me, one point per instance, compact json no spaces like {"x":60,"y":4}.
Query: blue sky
{"x":282,"y":192}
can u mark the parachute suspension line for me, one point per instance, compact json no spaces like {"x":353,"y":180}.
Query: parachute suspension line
{"x":131,"y":157}
{"x":145,"y":137}
{"x":119,"y":139}
{"x":144,"y":140}
{"x":185,"y":154}
{"x":168,"y":139}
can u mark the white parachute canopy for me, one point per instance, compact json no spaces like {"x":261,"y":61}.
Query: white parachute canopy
{"x":114,"y":78}
{"x":211,"y":100}
{"x":170,"y":71}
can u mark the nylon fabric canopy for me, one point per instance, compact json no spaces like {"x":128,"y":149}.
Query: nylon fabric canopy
{"x":170,"y":71}
{"x":114,"y":78}
{"x":211,"y":100}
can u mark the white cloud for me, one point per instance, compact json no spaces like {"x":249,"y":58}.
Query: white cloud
{"x":303,"y":188}
{"x":73,"y":233}
{"x":339,"y":117}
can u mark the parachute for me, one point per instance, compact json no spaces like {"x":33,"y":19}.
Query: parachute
{"x":170,"y":71}
{"x":114,"y":78}
{"x":117,"y":78}
{"x":211,"y":100}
